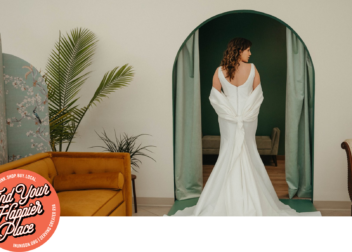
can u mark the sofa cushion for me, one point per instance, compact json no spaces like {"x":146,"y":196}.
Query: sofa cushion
{"x":44,"y":167}
{"x":71,"y":182}
{"x":211,"y":142}
{"x":263,"y":142}
{"x":211,"y":151}
{"x":99,"y":202}
{"x":85,"y":162}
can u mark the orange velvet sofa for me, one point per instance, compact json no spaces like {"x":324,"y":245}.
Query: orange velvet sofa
{"x":87,"y":183}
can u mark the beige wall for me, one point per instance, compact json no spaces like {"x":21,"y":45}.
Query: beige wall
{"x":148,"y":34}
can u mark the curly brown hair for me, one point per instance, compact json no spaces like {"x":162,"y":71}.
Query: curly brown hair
{"x":232,"y":54}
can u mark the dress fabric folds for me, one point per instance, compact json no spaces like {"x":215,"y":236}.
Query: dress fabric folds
{"x":239,"y":184}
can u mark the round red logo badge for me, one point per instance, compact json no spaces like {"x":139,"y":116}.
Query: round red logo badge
{"x":29,"y":210}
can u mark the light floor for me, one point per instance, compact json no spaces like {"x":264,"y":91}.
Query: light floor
{"x":160,"y":211}
{"x":277,"y":177}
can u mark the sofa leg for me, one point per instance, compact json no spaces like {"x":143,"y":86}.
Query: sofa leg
{"x":134,"y":193}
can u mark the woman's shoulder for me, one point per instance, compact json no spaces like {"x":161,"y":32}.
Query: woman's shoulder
{"x":256,"y":80}
{"x":255,"y":68}
{"x":217,"y":71}
{"x":216,"y":80}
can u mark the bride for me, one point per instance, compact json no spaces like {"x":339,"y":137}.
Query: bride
{"x":239,"y":184}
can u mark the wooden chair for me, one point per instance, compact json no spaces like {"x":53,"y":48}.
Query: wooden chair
{"x":347,"y":145}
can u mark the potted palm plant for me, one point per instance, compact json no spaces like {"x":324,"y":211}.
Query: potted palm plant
{"x":66,"y":74}
{"x":125,"y":144}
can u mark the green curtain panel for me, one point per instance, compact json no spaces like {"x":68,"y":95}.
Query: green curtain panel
{"x":26,"y":113}
{"x":3,"y":130}
{"x":299,"y":118}
{"x":188,"y":131}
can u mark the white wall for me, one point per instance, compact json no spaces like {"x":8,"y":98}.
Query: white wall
{"x":148,"y":34}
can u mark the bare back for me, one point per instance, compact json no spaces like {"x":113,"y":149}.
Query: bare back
{"x":241,"y":75}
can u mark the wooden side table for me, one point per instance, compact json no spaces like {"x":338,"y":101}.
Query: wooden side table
{"x":134,"y":193}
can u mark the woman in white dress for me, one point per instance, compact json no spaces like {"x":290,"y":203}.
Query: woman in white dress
{"x":239,"y":184}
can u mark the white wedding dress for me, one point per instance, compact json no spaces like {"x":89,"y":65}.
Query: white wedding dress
{"x":239,"y":184}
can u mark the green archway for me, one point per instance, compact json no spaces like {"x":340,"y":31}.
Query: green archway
{"x":207,"y":22}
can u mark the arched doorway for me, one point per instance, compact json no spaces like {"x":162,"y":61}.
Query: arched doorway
{"x":268,"y":36}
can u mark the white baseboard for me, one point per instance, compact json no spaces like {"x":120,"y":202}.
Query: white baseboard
{"x":150,"y":201}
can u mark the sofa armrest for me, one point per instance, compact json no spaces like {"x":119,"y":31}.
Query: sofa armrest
{"x":67,"y":163}
{"x":40,"y":163}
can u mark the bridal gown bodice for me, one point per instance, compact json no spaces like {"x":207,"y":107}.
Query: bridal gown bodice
{"x":237,"y":97}
{"x":239,"y":184}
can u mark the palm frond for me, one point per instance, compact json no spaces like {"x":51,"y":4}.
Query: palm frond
{"x":65,"y":75}
{"x":112,"y":80}
{"x":116,"y":78}
{"x":71,"y":56}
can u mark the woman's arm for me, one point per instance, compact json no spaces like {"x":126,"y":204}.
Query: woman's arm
{"x":256,"y":80}
{"x":216,"y":81}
